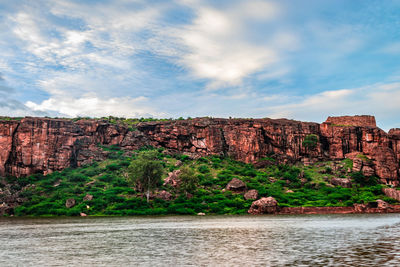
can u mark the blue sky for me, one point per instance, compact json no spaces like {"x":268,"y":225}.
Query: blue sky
{"x":302,"y":60}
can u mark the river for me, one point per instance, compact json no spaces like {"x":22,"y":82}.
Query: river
{"x":306,"y":240}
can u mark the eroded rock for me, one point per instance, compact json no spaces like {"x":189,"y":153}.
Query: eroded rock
{"x":43,"y":145}
{"x":236,"y":185}
{"x":251,"y":194}
{"x":88,"y":197}
{"x":265,"y":205}
{"x":173,"y":178}
{"x":343,"y":182}
{"x":70,"y":202}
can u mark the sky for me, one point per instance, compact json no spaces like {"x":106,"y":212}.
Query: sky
{"x":297,"y":59}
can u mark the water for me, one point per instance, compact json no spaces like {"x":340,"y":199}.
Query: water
{"x":307,"y":240}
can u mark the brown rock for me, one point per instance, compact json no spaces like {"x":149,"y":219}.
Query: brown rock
{"x":265,"y":205}
{"x":368,"y":171}
{"x":251,"y":194}
{"x":343,"y":182}
{"x":382,"y":204}
{"x":173,"y":178}
{"x":359,"y":208}
{"x":363,"y":121}
{"x":87,"y":197}
{"x":70,"y":202}
{"x":357,"y":164}
{"x":164,"y":195}
{"x":392,"y":193}
{"x":236,"y":185}
{"x":43,"y":145}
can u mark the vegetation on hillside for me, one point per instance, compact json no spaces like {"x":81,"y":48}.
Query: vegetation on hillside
{"x":116,"y":192}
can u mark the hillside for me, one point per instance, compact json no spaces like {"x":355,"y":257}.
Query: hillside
{"x":103,"y":188}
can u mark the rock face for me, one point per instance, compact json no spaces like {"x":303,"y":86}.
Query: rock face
{"x":343,"y":182}
{"x":42,"y":145}
{"x":392,"y":193}
{"x":265,"y":205}
{"x":362,"y":121}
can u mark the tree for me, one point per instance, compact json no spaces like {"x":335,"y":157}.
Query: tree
{"x":188,"y":180}
{"x":310,"y":141}
{"x":146,"y":171}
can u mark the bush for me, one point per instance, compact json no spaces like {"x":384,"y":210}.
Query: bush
{"x":77,"y":178}
{"x":310,"y":141}
{"x":113,"y":167}
{"x":203,"y":169}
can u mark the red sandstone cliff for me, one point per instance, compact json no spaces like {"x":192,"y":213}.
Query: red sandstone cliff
{"x":44,"y":145}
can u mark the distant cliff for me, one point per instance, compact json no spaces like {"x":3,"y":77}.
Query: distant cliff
{"x":43,"y":145}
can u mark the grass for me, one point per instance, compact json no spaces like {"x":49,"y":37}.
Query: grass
{"x":107,"y":182}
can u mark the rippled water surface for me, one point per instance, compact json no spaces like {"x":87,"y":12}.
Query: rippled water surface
{"x":317,"y":240}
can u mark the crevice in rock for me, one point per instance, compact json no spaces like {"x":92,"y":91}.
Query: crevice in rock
{"x":12,"y":156}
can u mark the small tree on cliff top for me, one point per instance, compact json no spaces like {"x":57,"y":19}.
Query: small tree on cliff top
{"x":310,"y":142}
{"x":146,"y":171}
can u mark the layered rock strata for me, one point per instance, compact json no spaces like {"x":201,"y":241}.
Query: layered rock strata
{"x":43,"y":145}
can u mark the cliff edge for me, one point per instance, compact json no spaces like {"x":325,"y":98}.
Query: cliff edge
{"x":43,"y":145}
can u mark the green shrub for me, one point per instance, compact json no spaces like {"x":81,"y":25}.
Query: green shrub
{"x":203,"y":169}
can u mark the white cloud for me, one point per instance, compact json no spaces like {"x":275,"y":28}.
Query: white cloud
{"x":380,"y":100}
{"x":93,"y":106}
{"x":217,"y":45}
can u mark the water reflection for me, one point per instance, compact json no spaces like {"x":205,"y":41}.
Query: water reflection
{"x":313,"y":240}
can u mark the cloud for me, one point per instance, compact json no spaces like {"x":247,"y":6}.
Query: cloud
{"x":218,"y":47}
{"x":379,"y":99}
{"x":93,"y":106}
{"x":11,"y":107}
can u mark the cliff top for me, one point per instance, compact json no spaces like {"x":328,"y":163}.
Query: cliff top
{"x":358,"y":120}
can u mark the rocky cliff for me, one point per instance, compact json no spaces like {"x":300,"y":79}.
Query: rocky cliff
{"x":43,"y":145}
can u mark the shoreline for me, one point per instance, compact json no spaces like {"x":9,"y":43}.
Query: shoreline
{"x":357,"y":209}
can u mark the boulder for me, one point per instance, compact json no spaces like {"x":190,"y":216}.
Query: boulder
{"x":70,"y":202}
{"x":236,"y":185}
{"x":173,"y":178}
{"x":251,"y":194}
{"x":265,"y":205}
{"x":88,"y":197}
{"x":359,"y":208}
{"x":382,"y":204}
{"x":343,"y":182}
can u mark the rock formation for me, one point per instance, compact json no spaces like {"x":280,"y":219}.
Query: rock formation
{"x":43,"y":145}
{"x":236,"y":185}
{"x":251,"y":194}
{"x":265,"y":205}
